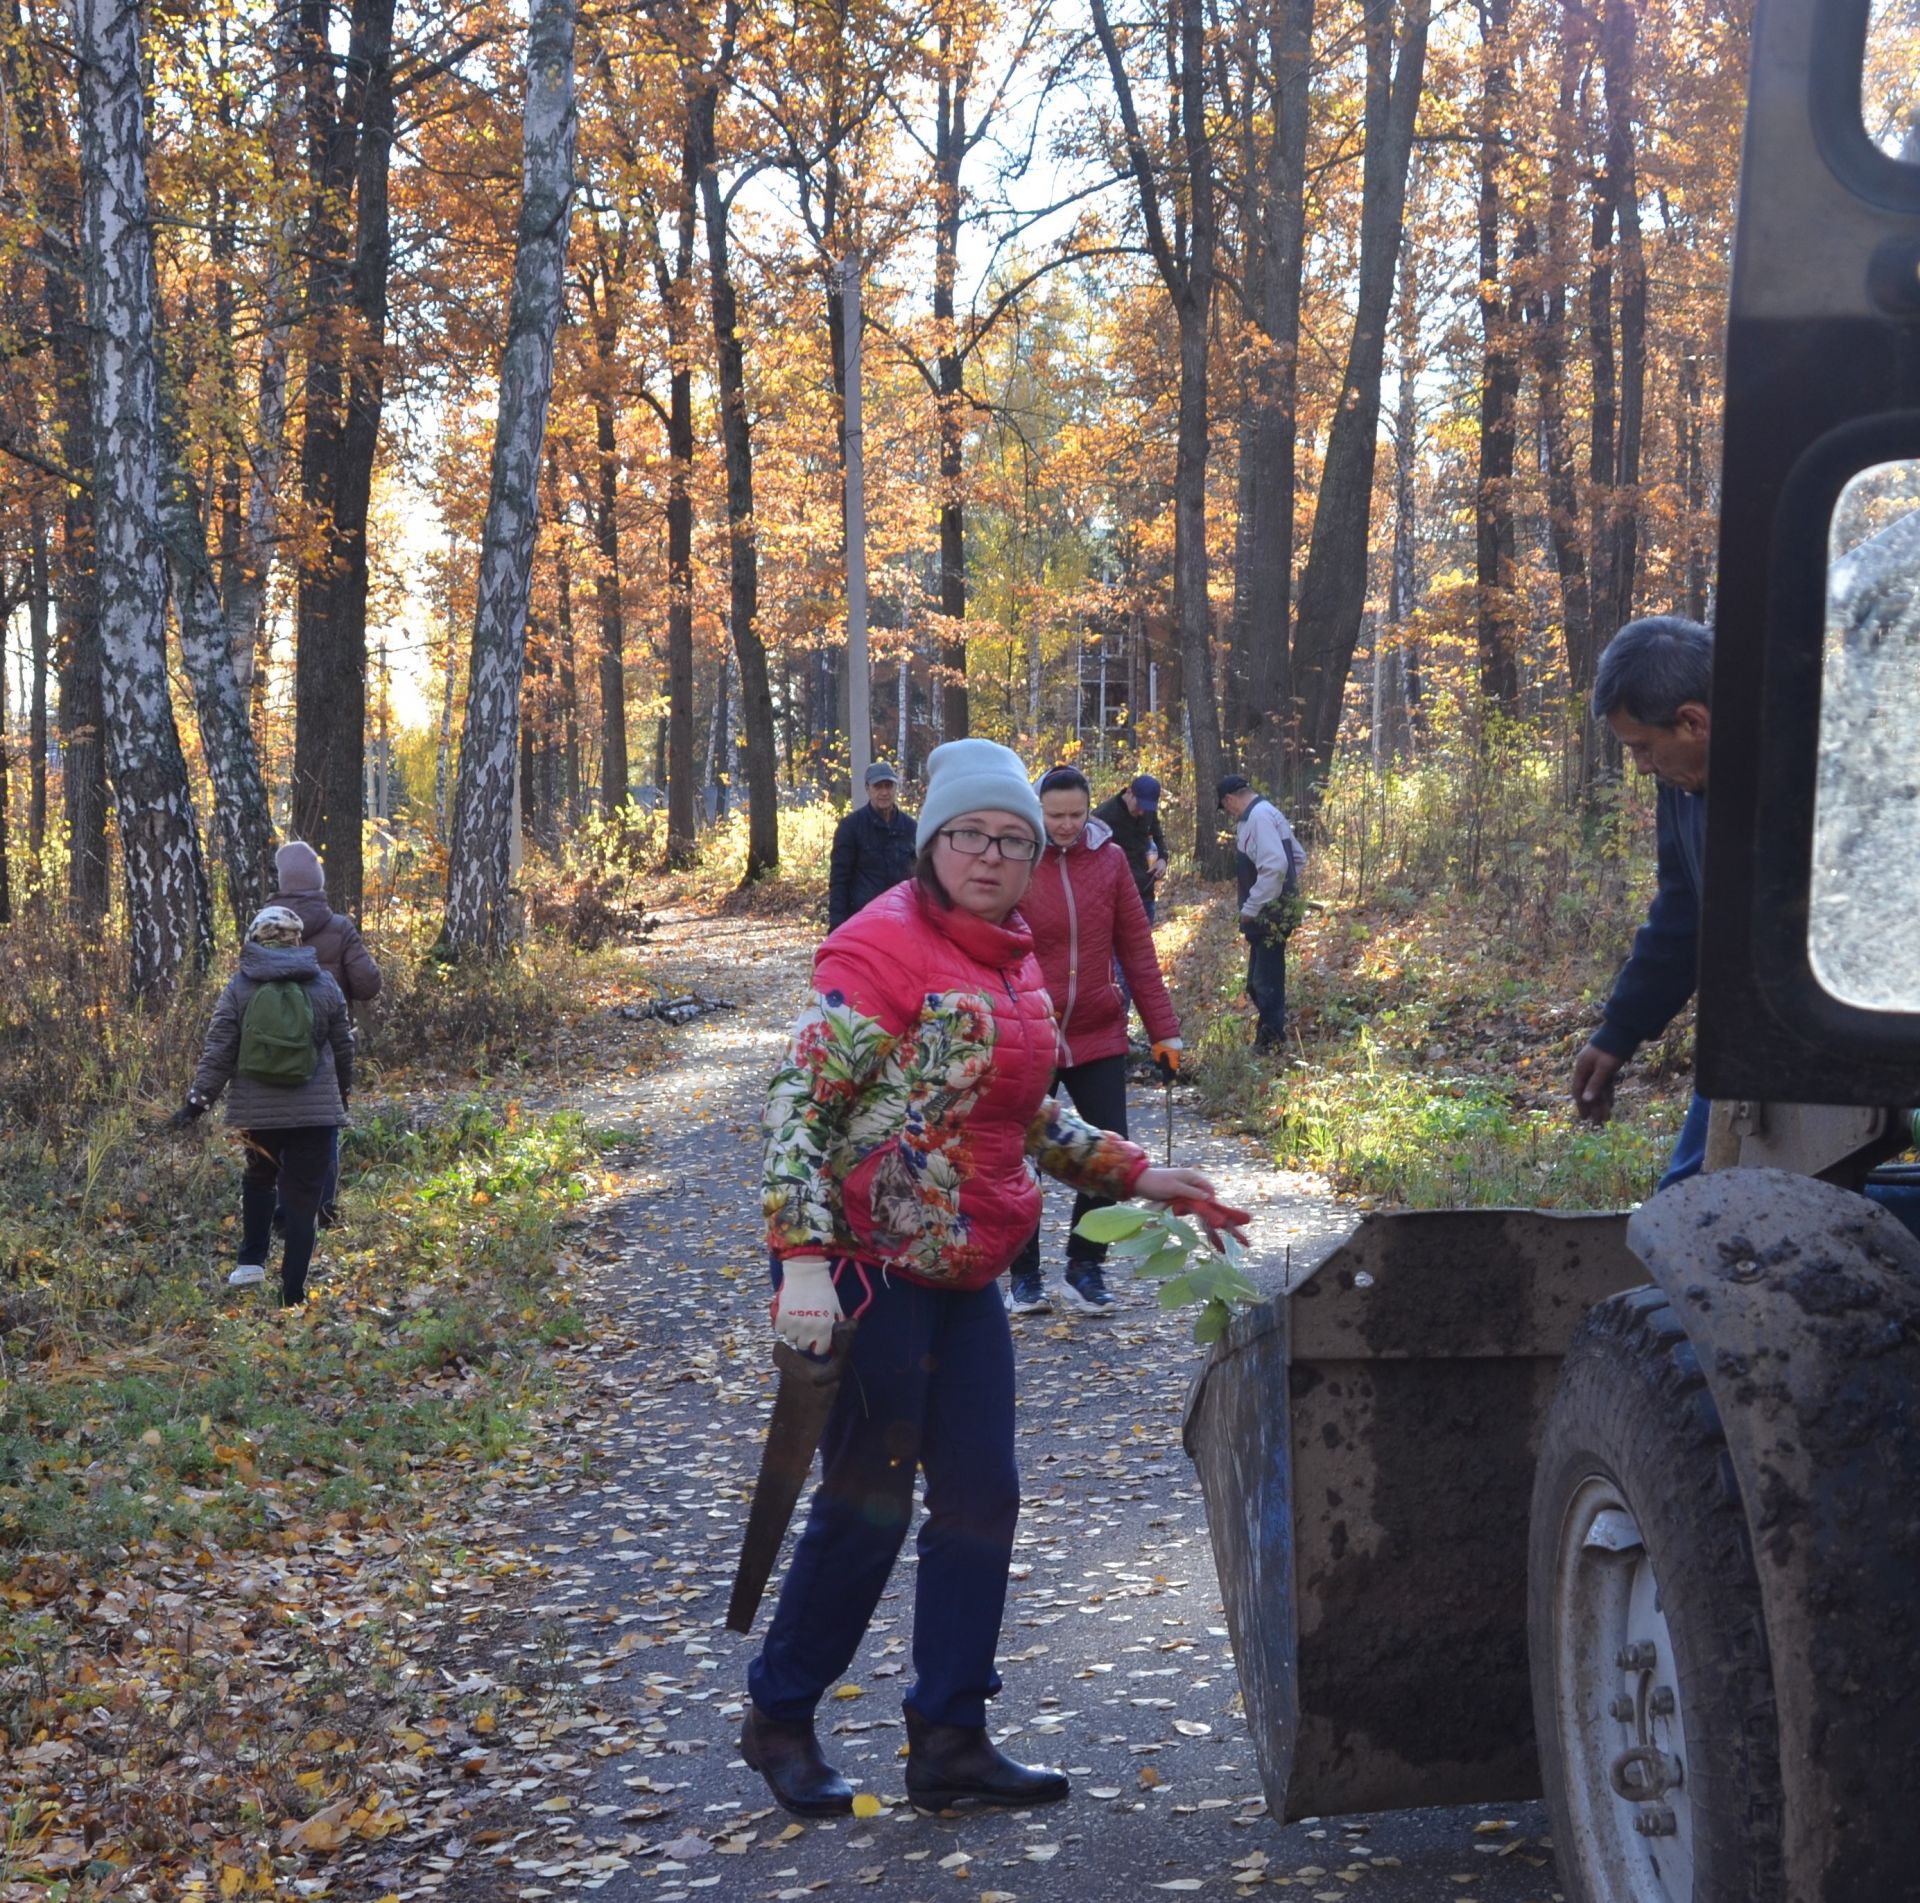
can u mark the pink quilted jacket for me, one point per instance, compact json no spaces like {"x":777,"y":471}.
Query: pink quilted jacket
{"x":1084,"y":909}
{"x":901,"y":1123}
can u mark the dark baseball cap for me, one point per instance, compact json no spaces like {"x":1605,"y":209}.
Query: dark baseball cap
{"x":1146,"y":792}
{"x":1229,"y":783}
{"x":881,"y":771}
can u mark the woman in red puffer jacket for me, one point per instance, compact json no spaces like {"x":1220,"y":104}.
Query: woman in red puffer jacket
{"x":1085,"y":914}
{"x":903,"y":1129}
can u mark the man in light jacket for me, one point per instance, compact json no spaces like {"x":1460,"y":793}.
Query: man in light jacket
{"x":1268,"y":861}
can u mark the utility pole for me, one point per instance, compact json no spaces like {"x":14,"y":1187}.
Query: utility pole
{"x":859,"y":685}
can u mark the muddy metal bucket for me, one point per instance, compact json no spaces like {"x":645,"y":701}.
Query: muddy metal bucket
{"x":1366,"y":1446}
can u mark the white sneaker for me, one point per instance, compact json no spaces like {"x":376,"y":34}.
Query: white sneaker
{"x":247,"y":1275}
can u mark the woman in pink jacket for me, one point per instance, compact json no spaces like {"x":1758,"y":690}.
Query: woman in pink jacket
{"x":1085,"y":913}
{"x":898,"y":1187}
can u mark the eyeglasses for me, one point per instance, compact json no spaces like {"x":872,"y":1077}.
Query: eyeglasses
{"x":1020,"y":849}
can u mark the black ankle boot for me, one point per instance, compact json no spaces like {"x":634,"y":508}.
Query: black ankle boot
{"x":960,"y":1764}
{"x":790,"y":1759}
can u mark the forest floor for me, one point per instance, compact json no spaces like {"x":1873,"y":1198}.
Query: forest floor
{"x":508,"y":1675}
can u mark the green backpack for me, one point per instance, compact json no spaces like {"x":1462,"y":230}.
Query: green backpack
{"x":276,"y":1035}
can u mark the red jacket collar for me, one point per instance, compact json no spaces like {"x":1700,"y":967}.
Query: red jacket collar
{"x":1001,"y":946}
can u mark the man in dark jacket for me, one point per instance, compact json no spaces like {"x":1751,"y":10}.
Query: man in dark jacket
{"x":1651,"y":688}
{"x":1132,"y":816}
{"x":872,"y":847}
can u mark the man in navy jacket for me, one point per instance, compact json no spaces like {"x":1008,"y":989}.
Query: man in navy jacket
{"x":1652,"y":689}
{"x":872,"y":847}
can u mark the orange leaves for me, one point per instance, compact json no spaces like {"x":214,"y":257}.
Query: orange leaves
{"x":369,"y":1819}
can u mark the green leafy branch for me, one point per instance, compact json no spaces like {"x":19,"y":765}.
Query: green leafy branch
{"x":1176,"y":1253}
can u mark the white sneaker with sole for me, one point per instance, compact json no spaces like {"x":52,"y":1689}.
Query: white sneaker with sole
{"x":247,"y":1275}
{"x":1086,"y":1290}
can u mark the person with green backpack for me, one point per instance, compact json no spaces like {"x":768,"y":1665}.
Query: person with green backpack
{"x":280,"y":1038}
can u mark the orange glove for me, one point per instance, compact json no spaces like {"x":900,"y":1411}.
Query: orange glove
{"x":1166,"y":1057}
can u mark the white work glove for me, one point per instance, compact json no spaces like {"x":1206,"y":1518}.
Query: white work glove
{"x":806,"y":1308}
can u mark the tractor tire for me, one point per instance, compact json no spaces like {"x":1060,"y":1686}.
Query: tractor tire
{"x":1652,"y":1687}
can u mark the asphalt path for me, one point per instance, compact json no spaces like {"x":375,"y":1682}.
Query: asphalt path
{"x":625,"y":1778}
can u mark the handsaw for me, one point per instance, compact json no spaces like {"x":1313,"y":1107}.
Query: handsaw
{"x":808,"y":1385}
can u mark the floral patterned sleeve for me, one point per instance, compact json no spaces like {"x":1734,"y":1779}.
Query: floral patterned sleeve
{"x":836,"y":1048}
{"x":1071,"y":1150}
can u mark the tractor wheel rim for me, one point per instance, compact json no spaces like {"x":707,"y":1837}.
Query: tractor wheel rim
{"x":1622,"y":1728}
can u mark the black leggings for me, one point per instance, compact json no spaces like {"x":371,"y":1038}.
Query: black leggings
{"x":289,"y":1166}
{"x":1099,"y":1093}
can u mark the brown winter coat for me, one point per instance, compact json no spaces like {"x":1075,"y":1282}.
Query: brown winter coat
{"x":252,"y":1105}
{"x":336,"y":942}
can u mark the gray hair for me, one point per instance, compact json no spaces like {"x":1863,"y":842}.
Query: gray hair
{"x":1652,"y":668}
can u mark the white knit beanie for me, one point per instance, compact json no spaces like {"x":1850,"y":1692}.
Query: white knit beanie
{"x":975,"y":776}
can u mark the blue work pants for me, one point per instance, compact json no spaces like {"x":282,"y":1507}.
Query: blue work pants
{"x":1267,"y":987}
{"x":929,"y":1387}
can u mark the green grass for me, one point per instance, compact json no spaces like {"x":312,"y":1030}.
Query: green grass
{"x":1430,"y":1052}
{"x":142,"y":1400}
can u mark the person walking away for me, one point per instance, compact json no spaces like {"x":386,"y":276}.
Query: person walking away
{"x":1652,"y":688}
{"x":902,"y":1130}
{"x":1132,"y":816}
{"x":343,"y":956}
{"x":1268,"y":862}
{"x":279,"y":1037}
{"x":872,"y":848}
{"x":1084,"y":910}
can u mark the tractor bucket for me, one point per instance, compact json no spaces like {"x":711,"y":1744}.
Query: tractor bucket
{"x":1366,"y":1446}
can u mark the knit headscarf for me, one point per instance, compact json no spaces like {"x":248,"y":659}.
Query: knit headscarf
{"x":276,"y":928}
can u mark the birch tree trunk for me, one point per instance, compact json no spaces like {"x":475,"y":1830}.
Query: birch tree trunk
{"x":248,"y":528}
{"x":480,"y":918}
{"x":220,"y":701}
{"x":166,"y":881}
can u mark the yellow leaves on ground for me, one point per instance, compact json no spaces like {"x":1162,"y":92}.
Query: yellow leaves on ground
{"x":867,"y":1805}
{"x":369,"y":1819}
